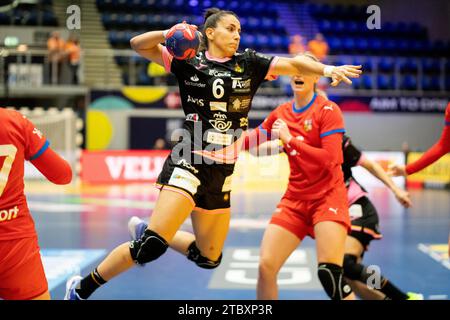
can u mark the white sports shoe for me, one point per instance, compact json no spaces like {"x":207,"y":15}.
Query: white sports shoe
{"x":136,"y":227}
{"x":71,"y":284}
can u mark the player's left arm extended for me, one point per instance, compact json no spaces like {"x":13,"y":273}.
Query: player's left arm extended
{"x":433,"y":154}
{"x":268,"y":148}
{"x":259,"y":144}
{"x":53,"y":167}
{"x":377,"y":171}
{"x":304,"y":65}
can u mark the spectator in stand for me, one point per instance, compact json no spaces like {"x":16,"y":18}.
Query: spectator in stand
{"x":318,"y":47}
{"x":73,"y":51}
{"x":297,"y":45}
{"x":56,"y":54}
{"x":160,"y":144}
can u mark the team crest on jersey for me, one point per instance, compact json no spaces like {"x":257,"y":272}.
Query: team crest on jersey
{"x":307,"y":125}
{"x":219,"y":123}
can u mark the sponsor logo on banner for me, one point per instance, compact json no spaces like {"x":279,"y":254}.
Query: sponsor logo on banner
{"x":192,"y":117}
{"x":241,"y":86}
{"x":219,"y":138}
{"x":219,"y":123}
{"x":218,"y":106}
{"x":185,"y":180}
{"x":435,"y":175}
{"x":197,"y":101}
{"x":409,"y":104}
{"x":239,"y":104}
{"x":122,"y":166}
{"x":384,"y":159}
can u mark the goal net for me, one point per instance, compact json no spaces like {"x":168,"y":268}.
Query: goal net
{"x":62,"y":128}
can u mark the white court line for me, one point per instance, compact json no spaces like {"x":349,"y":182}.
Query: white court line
{"x":59,"y":207}
{"x":243,"y":223}
{"x":438,"y":297}
{"x":424,"y":248}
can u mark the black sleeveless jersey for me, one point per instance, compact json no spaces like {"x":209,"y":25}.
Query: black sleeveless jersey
{"x":216,"y":97}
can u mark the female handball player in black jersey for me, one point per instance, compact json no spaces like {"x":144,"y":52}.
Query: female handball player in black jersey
{"x":216,"y":89}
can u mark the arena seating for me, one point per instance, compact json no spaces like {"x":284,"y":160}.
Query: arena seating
{"x":30,"y":14}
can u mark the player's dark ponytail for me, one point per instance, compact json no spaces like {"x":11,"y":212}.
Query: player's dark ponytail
{"x":212,"y":16}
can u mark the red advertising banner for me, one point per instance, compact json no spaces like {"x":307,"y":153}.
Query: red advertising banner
{"x":122,"y":166}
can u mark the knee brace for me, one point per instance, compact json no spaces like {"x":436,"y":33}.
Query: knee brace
{"x":356,"y":271}
{"x":203,"y":262}
{"x":331,"y":277}
{"x":352,"y":269}
{"x":148,"y":248}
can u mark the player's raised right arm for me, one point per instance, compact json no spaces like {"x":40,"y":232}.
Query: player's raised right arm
{"x":149,"y":45}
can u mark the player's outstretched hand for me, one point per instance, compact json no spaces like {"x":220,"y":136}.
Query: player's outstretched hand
{"x":396,"y":170}
{"x":403,"y":197}
{"x":343,"y":73}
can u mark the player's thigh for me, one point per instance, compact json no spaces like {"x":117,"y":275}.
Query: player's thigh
{"x":277,"y":245}
{"x":211,"y":230}
{"x":353,"y":246}
{"x":330,"y":241}
{"x":171,"y":210}
{"x":44,"y":296}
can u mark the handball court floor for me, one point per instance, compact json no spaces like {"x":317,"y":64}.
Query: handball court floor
{"x":79,"y":224}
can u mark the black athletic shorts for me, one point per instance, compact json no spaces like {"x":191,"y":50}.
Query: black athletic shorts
{"x":209,"y":185}
{"x":365,"y":227}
